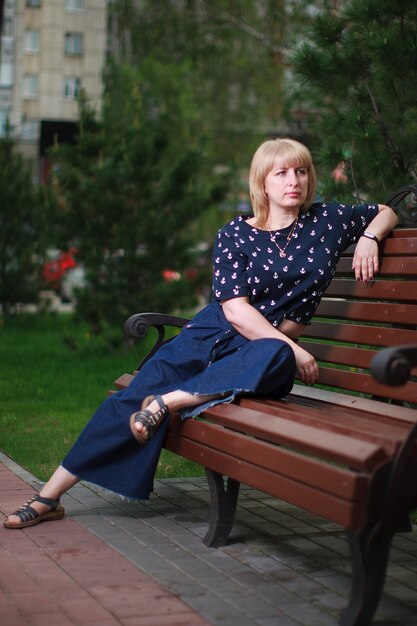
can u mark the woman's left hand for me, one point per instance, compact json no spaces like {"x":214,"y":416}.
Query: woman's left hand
{"x":306,"y":364}
{"x":365,"y":259}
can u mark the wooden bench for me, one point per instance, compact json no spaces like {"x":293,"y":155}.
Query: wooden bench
{"x":344,"y":449}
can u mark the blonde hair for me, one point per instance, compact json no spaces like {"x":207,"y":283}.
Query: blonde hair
{"x":289,"y":153}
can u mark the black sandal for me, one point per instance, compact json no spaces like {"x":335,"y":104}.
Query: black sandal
{"x":148,"y":419}
{"x":29,"y":516}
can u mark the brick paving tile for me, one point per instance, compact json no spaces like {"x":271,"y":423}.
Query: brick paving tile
{"x":9,"y":614}
{"x":54,"y":619}
{"x":62,"y":574}
{"x":13,"y":618}
{"x":33,"y":602}
{"x":87,"y":611}
{"x":282,"y":566}
{"x":183,"y":619}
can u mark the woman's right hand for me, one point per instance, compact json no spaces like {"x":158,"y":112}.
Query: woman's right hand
{"x":250,"y":323}
{"x":307,"y":367}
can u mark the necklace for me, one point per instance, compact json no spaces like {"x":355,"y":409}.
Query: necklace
{"x":282,"y":253}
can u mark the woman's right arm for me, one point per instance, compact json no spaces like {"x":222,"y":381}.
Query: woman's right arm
{"x":250,"y":323}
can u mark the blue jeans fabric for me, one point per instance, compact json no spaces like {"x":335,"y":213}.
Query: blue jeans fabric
{"x":207,"y":357}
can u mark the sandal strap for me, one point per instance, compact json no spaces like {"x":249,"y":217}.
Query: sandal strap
{"x":26,"y":513}
{"x":152,"y":420}
{"x":48,"y":501}
{"x":149,"y":419}
{"x":161,"y":403}
{"x":144,"y":417}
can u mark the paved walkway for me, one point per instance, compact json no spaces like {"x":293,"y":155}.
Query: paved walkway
{"x":117,"y":563}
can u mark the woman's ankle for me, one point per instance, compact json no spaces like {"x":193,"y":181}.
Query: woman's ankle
{"x":176,"y":400}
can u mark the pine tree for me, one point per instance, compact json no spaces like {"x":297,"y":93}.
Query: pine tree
{"x":131,"y":189}
{"x":357,"y":74}
{"x":23,"y":230}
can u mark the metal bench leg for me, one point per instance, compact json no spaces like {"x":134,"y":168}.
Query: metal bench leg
{"x":392,"y":496}
{"x":369,"y":549}
{"x":369,"y":554}
{"x":223,"y":508}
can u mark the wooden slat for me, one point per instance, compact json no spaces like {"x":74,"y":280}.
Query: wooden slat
{"x":352,"y":357}
{"x":123,"y":381}
{"x":364,"y":383}
{"x":401,"y":232}
{"x":393,"y":266}
{"x":355,"y":333}
{"x":368,"y":311}
{"x":397,"y":290}
{"x":333,"y":446}
{"x":341,"y":355}
{"x":314,"y":395}
{"x":404,"y":245}
{"x":384,"y":431}
{"x":326,"y":477}
{"x":399,"y":243}
{"x":347,"y":514}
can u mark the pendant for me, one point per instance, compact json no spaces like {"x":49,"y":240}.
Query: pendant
{"x":282,"y":254}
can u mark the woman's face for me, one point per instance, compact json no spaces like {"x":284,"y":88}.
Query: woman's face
{"x":286,"y":186}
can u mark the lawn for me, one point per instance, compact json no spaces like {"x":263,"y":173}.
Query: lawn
{"x":53,"y":374}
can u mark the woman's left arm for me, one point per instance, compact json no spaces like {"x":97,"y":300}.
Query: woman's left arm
{"x":365,"y":258}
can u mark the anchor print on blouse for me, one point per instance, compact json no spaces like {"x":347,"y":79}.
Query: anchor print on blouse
{"x":292,"y":281}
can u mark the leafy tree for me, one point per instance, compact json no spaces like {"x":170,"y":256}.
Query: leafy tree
{"x":234,"y":49}
{"x":131,"y":188}
{"x":357,"y":73}
{"x":239,"y":55}
{"x":23,"y":230}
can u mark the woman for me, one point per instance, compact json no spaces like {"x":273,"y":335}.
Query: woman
{"x":269,"y":274}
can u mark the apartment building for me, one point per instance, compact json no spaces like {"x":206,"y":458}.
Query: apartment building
{"x":50,"y":50}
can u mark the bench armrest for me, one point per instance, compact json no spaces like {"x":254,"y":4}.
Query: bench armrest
{"x":407,"y":214}
{"x":138,"y":324}
{"x":392,"y":366}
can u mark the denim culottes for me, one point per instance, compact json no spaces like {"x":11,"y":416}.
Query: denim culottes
{"x":208,"y":357}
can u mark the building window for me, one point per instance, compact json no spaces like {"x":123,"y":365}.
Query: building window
{"x":72,"y":87}
{"x":33,"y":3}
{"x":7,"y":28}
{"x":30,"y":85}
{"x":6,"y":73}
{"x":29,"y":130}
{"x":4,"y":123}
{"x":75,"y":5}
{"x":31,"y":41}
{"x":74,"y":43}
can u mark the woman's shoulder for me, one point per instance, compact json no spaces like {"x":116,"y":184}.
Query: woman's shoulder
{"x":319,"y":212}
{"x":326,"y":208}
{"x":338,"y":215}
{"x":234,"y":226}
{"x":323,"y":208}
{"x":322,"y":212}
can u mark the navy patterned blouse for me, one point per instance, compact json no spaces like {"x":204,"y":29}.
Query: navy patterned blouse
{"x":247,"y":261}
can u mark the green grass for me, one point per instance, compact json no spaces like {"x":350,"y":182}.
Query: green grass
{"x":53,"y":374}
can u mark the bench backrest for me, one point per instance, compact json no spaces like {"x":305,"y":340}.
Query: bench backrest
{"x":354,"y":320}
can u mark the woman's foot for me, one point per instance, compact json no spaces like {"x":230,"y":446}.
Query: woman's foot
{"x":37,"y":509}
{"x":154,"y":409}
{"x":144,"y":423}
